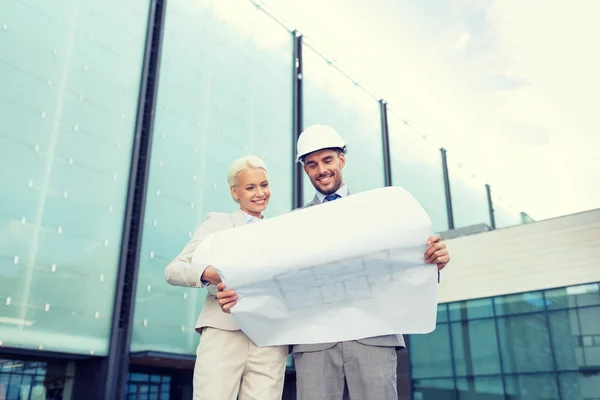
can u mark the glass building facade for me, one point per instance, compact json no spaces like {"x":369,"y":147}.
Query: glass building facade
{"x":535,"y":345}
{"x":118,"y":120}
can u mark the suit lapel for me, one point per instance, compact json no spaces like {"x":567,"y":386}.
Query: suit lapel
{"x":314,"y":201}
{"x":238,"y":218}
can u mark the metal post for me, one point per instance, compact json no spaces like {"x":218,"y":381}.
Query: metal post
{"x":490,"y":206}
{"x":118,"y":357}
{"x":552,"y":346}
{"x":449,"y":211}
{"x":385,"y":140}
{"x":499,"y":346}
{"x":297,"y":115}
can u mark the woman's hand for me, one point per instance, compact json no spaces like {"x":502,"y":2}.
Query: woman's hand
{"x":226,"y":298}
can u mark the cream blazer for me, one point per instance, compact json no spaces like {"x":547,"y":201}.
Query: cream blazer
{"x":181,"y":271}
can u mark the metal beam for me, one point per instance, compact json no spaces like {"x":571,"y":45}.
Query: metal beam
{"x":297,"y":115}
{"x":490,"y":206}
{"x":385,"y":141}
{"x":115,"y":384}
{"x":449,"y":208}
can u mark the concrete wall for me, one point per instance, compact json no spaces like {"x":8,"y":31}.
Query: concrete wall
{"x":545,"y":254}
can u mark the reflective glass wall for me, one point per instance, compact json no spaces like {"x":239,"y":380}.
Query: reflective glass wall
{"x":505,"y":214}
{"x":332,"y":99}
{"x":69,"y":84}
{"x":416,"y":166}
{"x":35,"y":380}
{"x":469,"y":197}
{"x":536,"y":345}
{"x":224,"y":92}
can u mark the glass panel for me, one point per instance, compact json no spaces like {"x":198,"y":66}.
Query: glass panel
{"x":332,"y":99}
{"x":430,"y":354}
{"x":69,"y":73}
{"x":532,"y":387}
{"x":475,"y":348}
{"x":28,"y":380}
{"x":469,"y":197}
{"x":568,"y":351}
{"x":417,"y":167}
{"x":519,"y":303}
{"x":471,"y":309}
{"x":224,"y":91}
{"x":442,"y":313}
{"x":433,"y":389}
{"x":505,"y":214}
{"x":137,"y":377}
{"x":579,"y":385}
{"x":525,"y":344}
{"x":480,"y":388}
{"x":589,"y":319}
{"x":573,"y":296}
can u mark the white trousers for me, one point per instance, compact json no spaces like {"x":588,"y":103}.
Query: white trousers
{"x":229,"y":364}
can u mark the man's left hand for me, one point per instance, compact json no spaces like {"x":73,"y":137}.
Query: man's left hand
{"x":436,"y":252}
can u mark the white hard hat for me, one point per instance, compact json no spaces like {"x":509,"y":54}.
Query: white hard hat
{"x":318,"y":137}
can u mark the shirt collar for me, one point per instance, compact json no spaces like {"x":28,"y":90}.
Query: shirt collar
{"x":250,"y":217}
{"x":342,"y":192}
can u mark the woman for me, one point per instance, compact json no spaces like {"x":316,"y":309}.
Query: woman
{"x":228,"y":363}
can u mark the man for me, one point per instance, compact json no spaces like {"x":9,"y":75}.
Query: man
{"x":358,"y":369}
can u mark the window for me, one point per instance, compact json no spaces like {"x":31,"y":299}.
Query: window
{"x":70,"y":75}
{"x":474,"y":348}
{"x":480,"y":387}
{"x":148,"y":387}
{"x":433,"y":389}
{"x":525,"y":343}
{"x":32,"y":380}
{"x":471,"y":309}
{"x":542,"y":345}
{"x":430,"y":355}
{"x":537,"y":386}
{"x":519,"y":303}
{"x":224,"y":92}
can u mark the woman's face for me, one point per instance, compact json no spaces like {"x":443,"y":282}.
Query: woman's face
{"x":252,"y":191}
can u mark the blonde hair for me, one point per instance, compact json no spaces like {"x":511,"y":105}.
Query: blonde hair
{"x":241,"y":164}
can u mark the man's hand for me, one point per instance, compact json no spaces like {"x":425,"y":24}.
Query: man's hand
{"x":436,"y":252}
{"x":210,"y":275}
{"x":226,"y":298}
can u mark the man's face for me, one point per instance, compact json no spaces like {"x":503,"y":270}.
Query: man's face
{"x":324,"y":168}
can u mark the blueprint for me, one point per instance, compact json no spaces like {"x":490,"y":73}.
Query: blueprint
{"x":344,"y":270}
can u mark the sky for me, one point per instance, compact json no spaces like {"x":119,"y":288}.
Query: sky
{"x":510,"y":87}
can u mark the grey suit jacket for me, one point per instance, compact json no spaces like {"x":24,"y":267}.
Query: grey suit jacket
{"x":181,"y":272}
{"x":383,"y":341}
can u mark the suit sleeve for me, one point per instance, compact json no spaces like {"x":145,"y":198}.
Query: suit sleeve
{"x":181,"y":271}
